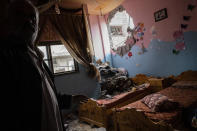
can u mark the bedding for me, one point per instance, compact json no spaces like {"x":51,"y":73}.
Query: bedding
{"x":159,"y":103}
{"x":137,"y":116}
{"x":185,"y":84}
{"x":155,"y":116}
{"x":186,"y":97}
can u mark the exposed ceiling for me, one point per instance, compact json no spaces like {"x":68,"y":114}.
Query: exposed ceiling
{"x":94,"y":6}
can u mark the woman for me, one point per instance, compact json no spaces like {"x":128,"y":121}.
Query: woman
{"x":28,"y":98}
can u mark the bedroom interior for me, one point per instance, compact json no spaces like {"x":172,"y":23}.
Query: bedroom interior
{"x":122,"y":65}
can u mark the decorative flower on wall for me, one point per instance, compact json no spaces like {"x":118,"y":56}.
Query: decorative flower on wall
{"x":139,"y":31}
{"x":180,"y":43}
{"x":178,"y":35}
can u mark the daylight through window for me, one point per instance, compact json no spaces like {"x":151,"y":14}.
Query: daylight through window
{"x":57,"y":57}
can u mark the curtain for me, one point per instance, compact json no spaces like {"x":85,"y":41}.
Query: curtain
{"x":73,"y":31}
{"x":86,"y":21}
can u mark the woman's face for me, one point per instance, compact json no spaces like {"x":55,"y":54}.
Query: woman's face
{"x":22,"y":20}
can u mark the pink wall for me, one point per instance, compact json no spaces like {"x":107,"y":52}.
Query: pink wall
{"x":105,"y":34}
{"x":100,"y":36}
{"x":143,"y":11}
{"x":96,"y":36}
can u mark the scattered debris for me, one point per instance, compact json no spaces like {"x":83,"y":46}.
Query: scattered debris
{"x":113,"y":80}
{"x":72,"y":123}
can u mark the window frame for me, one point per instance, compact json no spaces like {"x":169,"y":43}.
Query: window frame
{"x":49,"y":59}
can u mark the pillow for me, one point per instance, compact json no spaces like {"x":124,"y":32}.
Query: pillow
{"x":159,"y":103}
{"x":185,"y":84}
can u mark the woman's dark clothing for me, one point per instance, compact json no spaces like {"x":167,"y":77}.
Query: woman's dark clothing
{"x":28,"y":100}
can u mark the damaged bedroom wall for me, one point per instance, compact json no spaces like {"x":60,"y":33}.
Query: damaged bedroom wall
{"x":161,"y":57}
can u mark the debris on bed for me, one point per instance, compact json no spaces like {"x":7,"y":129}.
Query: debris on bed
{"x":113,"y":80}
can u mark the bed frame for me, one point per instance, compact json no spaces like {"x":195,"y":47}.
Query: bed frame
{"x":100,"y":115}
{"x":135,"y":120}
{"x":94,"y":114}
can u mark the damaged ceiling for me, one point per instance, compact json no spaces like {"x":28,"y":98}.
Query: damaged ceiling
{"x":95,"y":7}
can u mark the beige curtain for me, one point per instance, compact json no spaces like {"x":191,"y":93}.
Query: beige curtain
{"x":73,"y":31}
{"x":87,"y":25}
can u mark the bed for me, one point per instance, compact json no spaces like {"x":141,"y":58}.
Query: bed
{"x":99,"y":112}
{"x":137,"y":116}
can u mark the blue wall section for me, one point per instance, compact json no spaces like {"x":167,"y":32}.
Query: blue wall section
{"x":159,"y":59}
{"x":109,"y":59}
{"x":77,"y":84}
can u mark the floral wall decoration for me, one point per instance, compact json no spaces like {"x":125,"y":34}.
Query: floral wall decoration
{"x":139,"y":36}
{"x":153,"y":31}
{"x":130,"y":54}
{"x":178,"y":35}
{"x":139,"y":31}
{"x":159,"y":38}
{"x":180,"y":43}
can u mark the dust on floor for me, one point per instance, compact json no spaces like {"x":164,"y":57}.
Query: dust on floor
{"x":79,"y":126}
{"x":72,"y":123}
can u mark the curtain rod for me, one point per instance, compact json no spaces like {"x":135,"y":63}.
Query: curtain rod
{"x":62,"y":13}
{"x":62,"y":10}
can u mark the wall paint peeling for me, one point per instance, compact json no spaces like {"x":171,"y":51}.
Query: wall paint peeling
{"x":159,"y":59}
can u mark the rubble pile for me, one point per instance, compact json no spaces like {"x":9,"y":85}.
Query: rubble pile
{"x":114,"y":80}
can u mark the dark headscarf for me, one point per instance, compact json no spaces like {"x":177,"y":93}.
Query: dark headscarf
{"x":23,"y":23}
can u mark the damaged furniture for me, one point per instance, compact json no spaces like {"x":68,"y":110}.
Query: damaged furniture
{"x":139,"y":116}
{"x":99,"y":112}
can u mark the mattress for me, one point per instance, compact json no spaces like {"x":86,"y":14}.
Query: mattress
{"x":186,"y":97}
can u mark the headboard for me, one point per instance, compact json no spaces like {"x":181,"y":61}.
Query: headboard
{"x":187,"y":76}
